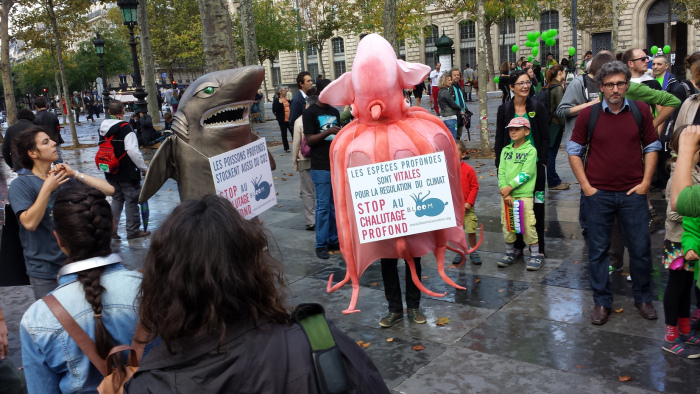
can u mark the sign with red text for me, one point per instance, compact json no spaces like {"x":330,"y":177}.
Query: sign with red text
{"x":244,"y":177}
{"x":401,"y":197}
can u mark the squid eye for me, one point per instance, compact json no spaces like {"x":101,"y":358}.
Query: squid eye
{"x":209,"y":90}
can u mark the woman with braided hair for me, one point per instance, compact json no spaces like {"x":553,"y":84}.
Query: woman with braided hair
{"x":31,"y":196}
{"x":94,"y":288}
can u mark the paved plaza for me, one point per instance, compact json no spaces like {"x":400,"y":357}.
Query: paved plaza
{"x":511,"y":330}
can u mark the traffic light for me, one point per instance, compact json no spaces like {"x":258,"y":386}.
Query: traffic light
{"x":45,"y":90}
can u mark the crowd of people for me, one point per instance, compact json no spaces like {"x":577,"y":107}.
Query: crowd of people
{"x":625,"y":133}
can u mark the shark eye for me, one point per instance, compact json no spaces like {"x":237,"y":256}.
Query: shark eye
{"x":209,"y":90}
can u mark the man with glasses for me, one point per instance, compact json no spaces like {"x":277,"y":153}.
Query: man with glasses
{"x":638,"y":63}
{"x":615,"y":179}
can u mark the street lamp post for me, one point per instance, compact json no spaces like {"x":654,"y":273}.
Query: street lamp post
{"x":129,"y":15}
{"x":99,"y":44}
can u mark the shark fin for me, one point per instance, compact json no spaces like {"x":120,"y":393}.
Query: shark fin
{"x":339,"y":92}
{"x":411,"y":74}
{"x":159,"y":170}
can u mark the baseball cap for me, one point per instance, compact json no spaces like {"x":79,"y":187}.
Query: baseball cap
{"x":519,"y":122}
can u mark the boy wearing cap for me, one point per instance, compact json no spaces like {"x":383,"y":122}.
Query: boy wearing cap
{"x":516,"y":180}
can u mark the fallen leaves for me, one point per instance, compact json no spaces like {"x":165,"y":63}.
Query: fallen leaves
{"x":500,"y":290}
{"x":481,"y":177}
{"x":390,"y":339}
{"x":424,"y":277}
{"x":576,"y":262}
{"x":284,"y":179}
{"x":291,"y":174}
{"x":579,"y":366}
{"x":363,"y":344}
{"x":374,"y":284}
{"x":442,"y":321}
{"x":279,"y":206}
{"x":418,"y":348}
{"x":625,"y":378}
{"x":618,"y":310}
{"x":170,"y":190}
{"x":477,"y":280}
{"x":275,"y":178}
{"x":492,"y":174}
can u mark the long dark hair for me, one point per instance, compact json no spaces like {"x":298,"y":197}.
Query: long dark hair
{"x":83,"y":222}
{"x":23,"y":143}
{"x":207,"y":268}
{"x":552,"y":73}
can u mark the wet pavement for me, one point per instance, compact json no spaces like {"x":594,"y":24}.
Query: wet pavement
{"x":511,"y":329}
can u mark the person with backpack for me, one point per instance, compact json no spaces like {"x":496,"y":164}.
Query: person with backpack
{"x":301,"y":161}
{"x":216,"y":302}
{"x":118,"y":140}
{"x":95,"y":292}
{"x":613,"y":157}
{"x":525,"y":107}
{"x":31,"y":196}
{"x":553,"y":92}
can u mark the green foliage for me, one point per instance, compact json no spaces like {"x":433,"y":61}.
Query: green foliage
{"x":498,"y":10}
{"x":365,"y":16}
{"x":319,"y":20}
{"x":593,"y":15}
{"x":275,"y":31}
{"x":688,"y":11}
{"x":31,"y":23}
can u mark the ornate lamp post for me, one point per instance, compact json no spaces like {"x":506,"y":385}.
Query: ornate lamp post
{"x":99,"y":44}
{"x":129,"y":15}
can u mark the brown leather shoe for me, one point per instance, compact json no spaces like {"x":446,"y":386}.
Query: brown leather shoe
{"x":646,"y":309}
{"x":600,"y":315}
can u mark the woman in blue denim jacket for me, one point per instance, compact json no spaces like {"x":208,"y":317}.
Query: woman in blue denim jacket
{"x":97,"y":291}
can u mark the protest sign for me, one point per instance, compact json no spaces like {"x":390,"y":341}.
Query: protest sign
{"x":401,"y":197}
{"x":244,"y":177}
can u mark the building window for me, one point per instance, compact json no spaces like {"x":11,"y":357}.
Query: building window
{"x":338,"y":56}
{"x":312,"y":60}
{"x":506,"y":40}
{"x":549,"y":20}
{"x":276,"y":73}
{"x":431,"y":33}
{"x":402,"y":49}
{"x":467,"y":43}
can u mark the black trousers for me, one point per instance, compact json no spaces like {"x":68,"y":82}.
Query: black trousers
{"x":677,"y":296}
{"x":538,"y":209}
{"x":392,"y":287}
{"x":284,"y":127}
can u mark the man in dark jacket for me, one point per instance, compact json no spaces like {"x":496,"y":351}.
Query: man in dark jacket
{"x":88,"y":105}
{"x":49,"y":122}
{"x":127,"y":180}
{"x":25,"y":120}
{"x":148,"y":132}
{"x":304,"y":83}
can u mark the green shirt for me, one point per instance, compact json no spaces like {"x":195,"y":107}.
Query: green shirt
{"x":661,"y":80}
{"x":518,"y":169}
{"x":529,"y":136}
{"x":688,"y":203}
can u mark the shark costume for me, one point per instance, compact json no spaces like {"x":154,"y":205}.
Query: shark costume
{"x":212,"y":118}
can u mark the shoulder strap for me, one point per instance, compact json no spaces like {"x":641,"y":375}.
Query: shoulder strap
{"x":79,"y":335}
{"x":593,"y":120}
{"x":315,"y":326}
{"x":638,"y":117}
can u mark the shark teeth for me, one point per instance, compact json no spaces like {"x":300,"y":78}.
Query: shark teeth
{"x":232,"y":115}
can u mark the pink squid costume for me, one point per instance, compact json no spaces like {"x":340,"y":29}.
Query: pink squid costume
{"x":387,"y":128}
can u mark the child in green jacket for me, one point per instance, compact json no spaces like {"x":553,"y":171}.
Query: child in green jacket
{"x":516,"y":180}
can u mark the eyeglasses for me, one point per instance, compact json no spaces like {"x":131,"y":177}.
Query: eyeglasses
{"x":612,"y":85}
{"x":643,"y":58}
{"x":520,"y":84}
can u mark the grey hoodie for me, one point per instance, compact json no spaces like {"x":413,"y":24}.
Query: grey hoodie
{"x":573,"y":95}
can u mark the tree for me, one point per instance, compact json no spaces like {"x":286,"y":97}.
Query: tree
{"x":688,"y":11}
{"x":248,"y":31}
{"x":592,"y":15}
{"x":483,"y":75}
{"x":320,"y":20}
{"x":389,"y":24}
{"x":8,"y":90}
{"x":149,"y":69}
{"x":217,"y":35}
{"x":409,"y":17}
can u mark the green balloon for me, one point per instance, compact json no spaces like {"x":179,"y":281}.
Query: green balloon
{"x":572,"y":51}
{"x":537,"y":35}
{"x":496,"y":79}
{"x":654,"y":50}
{"x":667,"y":49}
{"x":529,"y":58}
{"x":514,"y":48}
{"x":555,"y":32}
{"x":535,"y":51}
{"x":551,"y":41}
{"x":530,"y":36}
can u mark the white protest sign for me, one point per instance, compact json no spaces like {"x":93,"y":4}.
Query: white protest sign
{"x":401,"y":197}
{"x":244,"y":177}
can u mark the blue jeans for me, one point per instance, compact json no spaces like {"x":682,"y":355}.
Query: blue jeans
{"x":326,"y":230}
{"x":633,"y":216}
{"x":452,"y":126}
{"x":553,"y":179}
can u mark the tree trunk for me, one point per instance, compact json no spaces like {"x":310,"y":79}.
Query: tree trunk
{"x":64,"y":80}
{"x":217,"y":36}
{"x":149,"y":69}
{"x":389,"y":22}
{"x":58,"y":85}
{"x":248,"y":29}
{"x":483,"y":75}
{"x":319,"y":50}
{"x":9,"y":89}
{"x":490,"y":68}
{"x":615,"y":26}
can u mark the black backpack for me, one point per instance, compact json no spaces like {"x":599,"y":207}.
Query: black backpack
{"x":593,"y":120}
{"x":543,"y":96}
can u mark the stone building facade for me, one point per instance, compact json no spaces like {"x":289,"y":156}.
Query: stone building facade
{"x":641,"y":26}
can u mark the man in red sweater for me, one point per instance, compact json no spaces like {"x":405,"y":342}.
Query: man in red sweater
{"x":620,"y":161}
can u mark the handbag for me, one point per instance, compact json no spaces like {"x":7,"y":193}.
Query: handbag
{"x":475,"y":83}
{"x":305,"y":149}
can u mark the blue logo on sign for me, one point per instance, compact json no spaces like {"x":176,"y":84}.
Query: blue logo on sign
{"x":430,"y":207}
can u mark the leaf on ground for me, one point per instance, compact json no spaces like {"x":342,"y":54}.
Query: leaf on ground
{"x":275,"y":178}
{"x":280,"y":206}
{"x":277,"y":193}
{"x":291,"y":174}
{"x":481,"y":177}
{"x":418,"y":347}
{"x":284,"y":179}
{"x":576,"y":182}
{"x":500,"y":290}
{"x":390,"y":339}
{"x":147,"y":161}
{"x":492,"y":174}
{"x":478,"y":171}
{"x":579,"y":366}
{"x":443,"y":321}
{"x":424,"y":277}
{"x":575,"y":262}
{"x":477,"y":280}
{"x":625,"y":378}
{"x":374,"y":284}
{"x":170,"y":190}
{"x":363,"y":344}
{"x":618,"y":310}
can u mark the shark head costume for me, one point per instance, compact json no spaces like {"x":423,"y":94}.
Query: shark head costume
{"x":212,"y":118}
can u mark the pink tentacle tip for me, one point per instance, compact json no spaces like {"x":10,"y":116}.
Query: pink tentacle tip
{"x":329,"y":287}
{"x":349,"y":311}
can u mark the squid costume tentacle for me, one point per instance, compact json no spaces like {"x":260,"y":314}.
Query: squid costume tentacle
{"x":387,"y":128}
